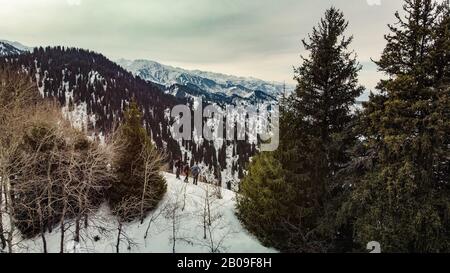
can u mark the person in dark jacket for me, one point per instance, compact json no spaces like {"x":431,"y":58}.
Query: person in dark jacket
{"x":178,"y":166}
{"x":195,"y":170}
{"x":186,"y":172}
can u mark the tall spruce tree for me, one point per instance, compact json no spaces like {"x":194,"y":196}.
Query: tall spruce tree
{"x":288,"y":199}
{"x":131,"y":164}
{"x":441,"y":50}
{"x":404,"y":202}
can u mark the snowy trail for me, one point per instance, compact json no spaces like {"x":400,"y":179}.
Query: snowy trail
{"x":183,"y":202}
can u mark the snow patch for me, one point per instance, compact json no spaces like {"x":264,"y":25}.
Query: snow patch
{"x":225,"y":234}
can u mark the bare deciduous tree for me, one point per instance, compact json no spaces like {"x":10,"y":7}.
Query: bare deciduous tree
{"x":172,"y":211}
{"x":154,"y":216}
{"x":124,"y":208}
{"x":212,"y":221}
{"x":49,"y":172}
{"x":16,"y":93}
{"x":153,"y":161}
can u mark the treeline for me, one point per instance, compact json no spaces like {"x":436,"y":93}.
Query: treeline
{"x":342,"y":177}
{"x":52,"y":175}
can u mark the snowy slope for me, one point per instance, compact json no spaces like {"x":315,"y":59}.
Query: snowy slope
{"x":17,"y":45}
{"x":214,"y":83}
{"x":7,"y":49}
{"x":188,"y":203}
{"x":12,"y":48}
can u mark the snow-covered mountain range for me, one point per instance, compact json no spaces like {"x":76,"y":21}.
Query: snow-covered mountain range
{"x":12,"y":48}
{"x":213,"y":86}
{"x":7,"y":49}
{"x":17,"y":45}
{"x":183,"y":83}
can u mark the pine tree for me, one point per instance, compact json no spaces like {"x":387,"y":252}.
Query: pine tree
{"x":441,"y":50}
{"x":318,"y":118}
{"x":404,"y":202}
{"x":130,"y":164}
{"x":410,"y":44}
{"x":261,"y":193}
{"x":327,"y":89}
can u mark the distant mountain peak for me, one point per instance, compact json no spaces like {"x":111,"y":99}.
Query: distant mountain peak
{"x":210,"y":84}
{"x":11,"y":48}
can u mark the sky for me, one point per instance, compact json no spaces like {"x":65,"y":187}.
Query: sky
{"x":259,"y":38}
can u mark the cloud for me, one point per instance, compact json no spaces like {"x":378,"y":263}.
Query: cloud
{"x":73,"y":2}
{"x":374,"y":2}
{"x":259,"y":38}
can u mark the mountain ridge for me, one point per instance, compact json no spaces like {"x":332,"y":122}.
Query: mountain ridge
{"x":7,"y":49}
{"x":17,"y":45}
{"x":213,"y":87}
{"x":228,"y":86}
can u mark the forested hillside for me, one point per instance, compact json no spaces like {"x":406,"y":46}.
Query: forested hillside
{"x":94,"y":91}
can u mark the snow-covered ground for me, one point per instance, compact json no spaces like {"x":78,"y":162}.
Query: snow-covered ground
{"x":180,"y":216}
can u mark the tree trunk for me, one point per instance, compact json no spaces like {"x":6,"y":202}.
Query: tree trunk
{"x":79,"y":217}
{"x":204,"y":219}
{"x":204,"y":227}
{"x":49,"y":197}
{"x":63,"y":216}
{"x":77,"y":230}
{"x":143,"y":196}
{"x":118,"y":237}
{"x":61,"y":250}
{"x":86,"y":205}
{"x":2,"y":235}
{"x":42,"y":227}
{"x":44,"y":240}
{"x":211,"y":241}
{"x":174,"y":239}
{"x":209,"y":213}
{"x":86,"y":221}
{"x":184,"y":198}
{"x":10,"y":208}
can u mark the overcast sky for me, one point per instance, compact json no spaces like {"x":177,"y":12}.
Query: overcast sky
{"x":260,"y":38}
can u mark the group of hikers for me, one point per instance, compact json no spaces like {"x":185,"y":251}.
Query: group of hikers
{"x":180,"y":167}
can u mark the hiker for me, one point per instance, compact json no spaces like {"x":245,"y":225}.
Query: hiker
{"x":178,"y":168}
{"x":195,"y":170}
{"x":186,"y":172}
